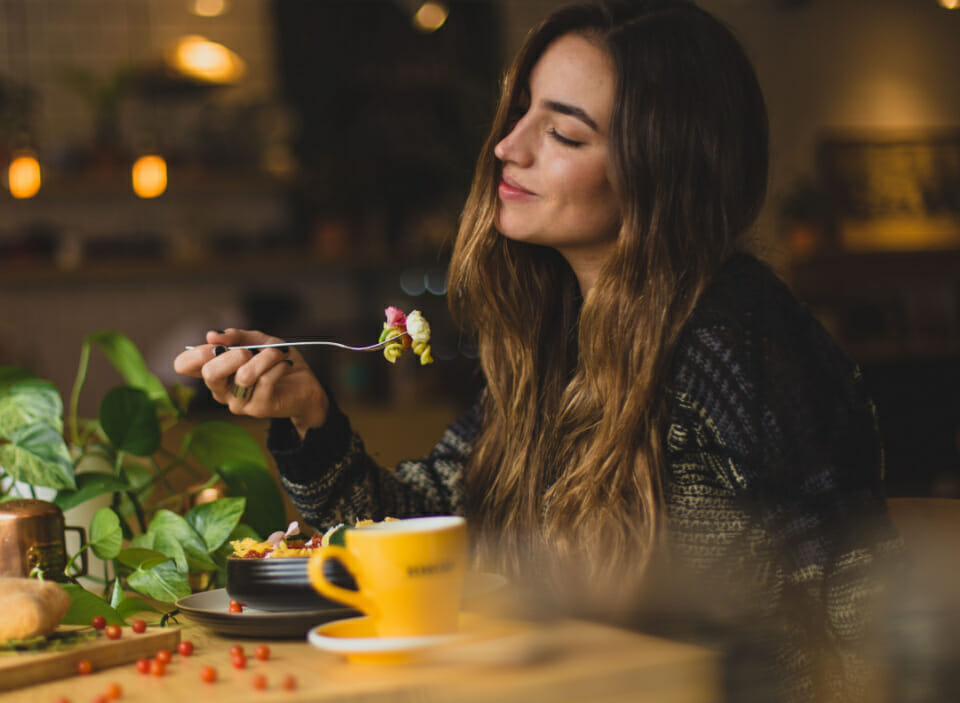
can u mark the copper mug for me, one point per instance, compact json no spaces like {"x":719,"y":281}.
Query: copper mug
{"x":32,"y":537}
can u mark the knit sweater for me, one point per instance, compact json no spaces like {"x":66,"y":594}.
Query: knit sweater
{"x":772,"y":487}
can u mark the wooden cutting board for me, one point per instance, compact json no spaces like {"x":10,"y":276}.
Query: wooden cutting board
{"x":26,"y":668}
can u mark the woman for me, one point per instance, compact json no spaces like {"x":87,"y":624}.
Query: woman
{"x":654,"y":396}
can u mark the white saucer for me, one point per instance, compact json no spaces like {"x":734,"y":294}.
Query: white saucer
{"x":355,"y":639}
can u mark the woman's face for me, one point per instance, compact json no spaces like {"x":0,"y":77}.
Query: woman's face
{"x":555,"y":186}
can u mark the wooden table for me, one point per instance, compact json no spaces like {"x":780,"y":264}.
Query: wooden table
{"x":561,"y":661}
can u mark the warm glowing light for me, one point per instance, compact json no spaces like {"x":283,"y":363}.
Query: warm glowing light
{"x":23,"y":176}
{"x":149,"y":176}
{"x":208,"y":8}
{"x":431,"y":16}
{"x":205,"y":60}
{"x":950,"y":4}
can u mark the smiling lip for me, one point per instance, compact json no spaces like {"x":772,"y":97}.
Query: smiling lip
{"x":510,"y":190}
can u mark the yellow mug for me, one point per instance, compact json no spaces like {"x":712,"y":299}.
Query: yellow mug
{"x":409,"y":573}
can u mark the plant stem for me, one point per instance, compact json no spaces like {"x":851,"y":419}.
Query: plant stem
{"x":131,"y":494}
{"x":76,"y":554}
{"x":178,"y":460}
{"x":75,"y":391}
{"x":212,"y":481}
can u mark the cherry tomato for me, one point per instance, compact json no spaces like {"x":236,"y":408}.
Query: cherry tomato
{"x":235,"y":607}
{"x":208,"y":674}
{"x":143,"y":666}
{"x":185,"y":648}
{"x":99,"y":622}
{"x":138,"y":626}
{"x":239,"y":661}
{"x":84,"y":667}
{"x":289,"y":682}
{"x":163,"y":655}
{"x":262,"y":652}
{"x":113,"y":632}
{"x":158,"y":668}
{"x":259,"y":681}
{"x":113,"y":691}
{"x":236,"y":650}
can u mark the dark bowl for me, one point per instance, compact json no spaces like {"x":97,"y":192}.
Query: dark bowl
{"x":281,"y":584}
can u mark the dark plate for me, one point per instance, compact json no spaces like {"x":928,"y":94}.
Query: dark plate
{"x":210,"y":609}
{"x":281,"y":584}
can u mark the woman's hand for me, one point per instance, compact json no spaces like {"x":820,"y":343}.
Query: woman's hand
{"x":272,"y":382}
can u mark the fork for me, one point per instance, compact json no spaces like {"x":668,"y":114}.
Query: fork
{"x":316,"y":343}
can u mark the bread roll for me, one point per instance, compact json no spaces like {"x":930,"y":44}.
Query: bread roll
{"x":30,"y":608}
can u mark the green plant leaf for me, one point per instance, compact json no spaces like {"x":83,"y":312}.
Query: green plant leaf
{"x":37,"y":454}
{"x":214,"y":521}
{"x":241,"y":531}
{"x":173,"y":535}
{"x":132,"y":605}
{"x":163,"y":582}
{"x":265,"y":511}
{"x":140,"y":478}
{"x":12,"y":374}
{"x":139,"y":558}
{"x":338,"y":536}
{"x":24,"y":401}
{"x":217,"y":443}
{"x":129,"y":420}
{"x":106,"y":535}
{"x":84,"y":605}
{"x":89,"y":485}
{"x":116,"y":594}
{"x":127,"y":360}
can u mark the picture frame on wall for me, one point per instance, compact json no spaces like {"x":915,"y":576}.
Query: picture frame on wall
{"x":892,"y":190}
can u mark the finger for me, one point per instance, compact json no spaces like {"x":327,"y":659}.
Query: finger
{"x":190,"y":362}
{"x":262,"y":400}
{"x":218,"y":372}
{"x":261,"y":360}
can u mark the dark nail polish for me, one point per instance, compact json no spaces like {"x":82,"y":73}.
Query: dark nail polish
{"x":289,"y":362}
{"x":283,"y":349}
{"x":219,"y":349}
{"x":219,"y":331}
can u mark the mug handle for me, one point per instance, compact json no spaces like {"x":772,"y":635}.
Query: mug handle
{"x":83,"y":554}
{"x":355,"y":599}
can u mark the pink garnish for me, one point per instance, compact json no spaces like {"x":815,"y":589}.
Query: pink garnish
{"x":277,"y":537}
{"x":395,"y":317}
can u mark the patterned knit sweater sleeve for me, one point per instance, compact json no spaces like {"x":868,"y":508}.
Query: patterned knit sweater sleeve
{"x":331,"y":479}
{"x":775,"y":493}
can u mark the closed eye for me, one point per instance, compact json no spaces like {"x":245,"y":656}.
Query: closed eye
{"x":566,"y":141}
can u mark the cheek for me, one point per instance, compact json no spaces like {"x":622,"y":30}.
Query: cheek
{"x":588,"y":188}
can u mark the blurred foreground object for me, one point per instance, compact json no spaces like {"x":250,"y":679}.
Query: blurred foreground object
{"x":923,"y":634}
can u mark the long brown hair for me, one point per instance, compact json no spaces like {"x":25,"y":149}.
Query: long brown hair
{"x":569,"y":461}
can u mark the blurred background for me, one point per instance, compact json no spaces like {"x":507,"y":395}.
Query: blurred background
{"x":172,"y":166}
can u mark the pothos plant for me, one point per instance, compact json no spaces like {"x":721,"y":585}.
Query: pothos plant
{"x":150,"y":541}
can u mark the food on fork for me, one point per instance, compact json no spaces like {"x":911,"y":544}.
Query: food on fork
{"x":416,"y":335}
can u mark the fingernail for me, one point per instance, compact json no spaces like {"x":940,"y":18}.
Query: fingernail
{"x":219,"y":349}
{"x":283,"y":349}
{"x":288,"y":362}
{"x":219,"y":331}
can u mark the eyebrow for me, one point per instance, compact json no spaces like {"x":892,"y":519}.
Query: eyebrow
{"x":573,"y":111}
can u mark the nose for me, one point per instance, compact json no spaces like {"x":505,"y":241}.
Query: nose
{"x":515,"y":146}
